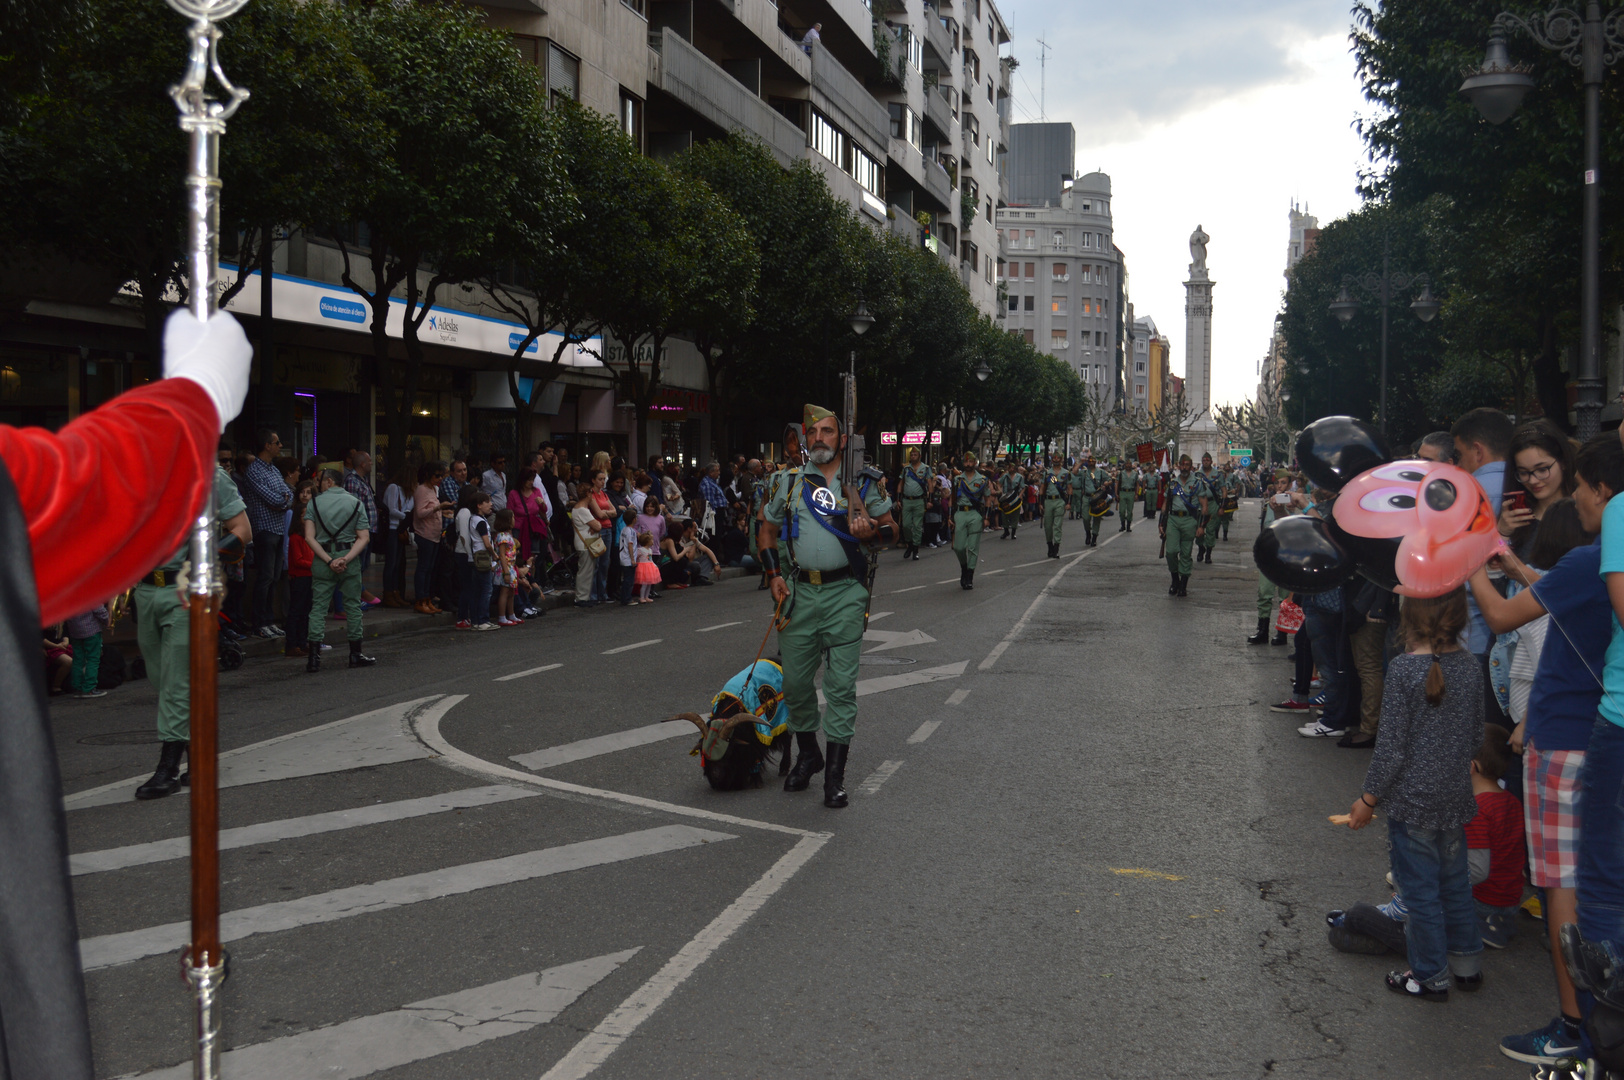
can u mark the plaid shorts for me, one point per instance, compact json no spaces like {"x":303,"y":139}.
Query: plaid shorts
{"x":1551,"y":815}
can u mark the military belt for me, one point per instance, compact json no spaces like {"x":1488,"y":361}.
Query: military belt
{"x":1178,"y":513}
{"x":823,"y":577}
{"x":160,"y":578}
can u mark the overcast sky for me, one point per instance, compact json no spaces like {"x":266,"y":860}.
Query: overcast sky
{"x":1211,"y":114}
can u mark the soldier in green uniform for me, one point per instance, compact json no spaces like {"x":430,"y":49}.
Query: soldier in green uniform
{"x":1078,"y":504}
{"x":1056,"y":492}
{"x":915,"y":485}
{"x":1127,"y":494}
{"x":1152,"y":482}
{"x":1011,"y":495}
{"x":163,"y":629}
{"x":335,"y":527}
{"x":972,"y":498}
{"x":1096,"y":481}
{"x":1183,"y":523}
{"x":825,"y":598}
{"x":1229,"y":499}
{"x":1213,"y":483}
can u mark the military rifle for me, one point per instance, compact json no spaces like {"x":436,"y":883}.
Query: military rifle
{"x":853,"y":472}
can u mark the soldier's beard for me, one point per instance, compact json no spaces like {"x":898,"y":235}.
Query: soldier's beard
{"x":822,"y":455}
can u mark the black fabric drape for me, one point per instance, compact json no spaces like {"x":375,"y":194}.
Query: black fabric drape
{"x":44,"y":1029}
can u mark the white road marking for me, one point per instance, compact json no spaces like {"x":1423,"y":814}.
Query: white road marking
{"x":896,"y":639}
{"x":633,"y":645}
{"x":603,"y":744}
{"x":1024,"y":565}
{"x":871,"y":786}
{"x":910,"y":588}
{"x":949,"y":581}
{"x":619,"y":1025}
{"x":990,"y":573}
{"x":719,"y":626}
{"x":957,"y":697}
{"x":527,"y":671}
{"x":378,"y":737}
{"x":998,"y":649}
{"x":925,"y":731}
{"x":878,"y":615}
{"x":426,"y":725}
{"x":179,"y":847}
{"x":110,"y":950}
{"x":885,"y":683}
{"x":416,"y":1032}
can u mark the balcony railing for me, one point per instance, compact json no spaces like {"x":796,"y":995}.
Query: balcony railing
{"x":699,"y":83}
{"x":843,"y":96}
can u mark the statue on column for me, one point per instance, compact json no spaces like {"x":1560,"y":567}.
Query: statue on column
{"x":1198,"y":249}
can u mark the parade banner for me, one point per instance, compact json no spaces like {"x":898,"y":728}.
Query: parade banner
{"x":1146,"y":452}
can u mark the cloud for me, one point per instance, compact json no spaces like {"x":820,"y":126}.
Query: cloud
{"x":1123,"y":68}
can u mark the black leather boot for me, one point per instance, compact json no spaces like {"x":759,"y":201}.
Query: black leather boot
{"x":1184,"y":584}
{"x":1173,"y":586}
{"x":916,"y":553}
{"x":313,"y":661}
{"x":969,"y":579}
{"x":166,"y":780}
{"x":808,"y":762}
{"x":834,"y":777}
{"x":1262,"y":635}
{"x":1279,"y":638}
{"x":359,"y":658}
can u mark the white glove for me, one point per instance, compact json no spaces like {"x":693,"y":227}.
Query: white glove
{"x":216,"y":357}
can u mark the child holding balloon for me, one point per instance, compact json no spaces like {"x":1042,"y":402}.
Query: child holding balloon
{"x":1420,"y":773}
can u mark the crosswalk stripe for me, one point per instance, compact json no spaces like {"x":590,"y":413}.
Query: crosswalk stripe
{"x":416,"y":1032}
{"x":602,"y":744}
{"x":178,"y":847}
{"x":110,"y":950}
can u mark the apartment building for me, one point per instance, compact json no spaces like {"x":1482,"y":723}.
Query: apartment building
{"x":1064,"y":279}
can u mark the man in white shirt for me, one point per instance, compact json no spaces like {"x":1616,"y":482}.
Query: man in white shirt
{"x":494,"y":482}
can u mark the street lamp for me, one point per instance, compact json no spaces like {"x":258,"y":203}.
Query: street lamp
{"x":1592,"y":44}
{"x":982,"y":371}
{"x":860,"y":319}
{"x":1382,"y":286}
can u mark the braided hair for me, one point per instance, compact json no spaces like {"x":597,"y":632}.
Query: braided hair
{"x":1434,"y":623}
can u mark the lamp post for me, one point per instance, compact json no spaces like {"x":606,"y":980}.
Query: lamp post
{"x":1593,"y":44}
{"x":1382,"y":286}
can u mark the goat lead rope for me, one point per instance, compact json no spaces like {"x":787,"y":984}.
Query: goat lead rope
{"x":772,"y":625}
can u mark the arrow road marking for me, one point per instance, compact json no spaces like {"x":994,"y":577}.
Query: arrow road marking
{"x":896,"y":639}
{"x":602,"y":744}
{"x":179,"y":847}
{"x":110,"y":950}
{"x":416,"y":1032}
{"x":885,"y":683}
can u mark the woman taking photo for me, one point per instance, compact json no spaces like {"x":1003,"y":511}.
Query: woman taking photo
{"x":1539,"y":474}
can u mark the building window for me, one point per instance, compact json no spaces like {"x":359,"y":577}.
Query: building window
{"x":1029,"y":337}
{"x":1057,"y":305}
{"x":1014,"y":303}
{"x":973,"y":126}
{"x":989,"y":207}
{"x":1014,"y":237}
{"x":1059,"y":239}
{"x":1031,"y":303}
{"x":828,"y":140}
{"x":1140,"y":367}
{"x":1031,"y":271}
{"x":1031,"y":241}
{"x":563,"y":74}
{"x":631,"y":118}
{"x":529,"y":47}
{"x":988,"y":271}
{"x":1088,"y":241}
{"x":639,"y":6}
{"x":1060,"y":272}
{"x":865,"y":170}
{"x":1058,"y":340}
{"x":992,"y":150}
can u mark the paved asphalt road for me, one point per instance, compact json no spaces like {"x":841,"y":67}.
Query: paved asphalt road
{"x":1078,"y":845}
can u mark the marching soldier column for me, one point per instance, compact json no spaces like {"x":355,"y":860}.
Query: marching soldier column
{"x":915,"y":485}
{"x":1183,"y":523}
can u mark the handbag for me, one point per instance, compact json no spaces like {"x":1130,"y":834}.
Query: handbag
{"x":483,"y":562}
{"x":595,"y":547}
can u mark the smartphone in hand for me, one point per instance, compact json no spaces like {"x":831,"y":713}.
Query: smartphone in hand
{"x":1516,"y":500}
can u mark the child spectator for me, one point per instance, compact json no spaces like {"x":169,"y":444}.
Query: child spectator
{"x":648,"y":574}
{"x":475,"y":560}
{"x":1494,"y":842}
{"x":85,"y":636}
{"x":506,"y":570}
{"x":1431,"y":727}
{"x":626,"y":553}
{"x":299,"y":587}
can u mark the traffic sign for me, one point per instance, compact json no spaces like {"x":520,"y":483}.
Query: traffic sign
{"x":1246,"y":463}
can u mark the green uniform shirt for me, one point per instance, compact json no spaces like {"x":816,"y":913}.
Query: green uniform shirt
{"x":915,"y":480}
{"x":1195,"y":488}
{"x":1056,"y":484}
{"x":227,"y":505}
{"x":336,"y":509}
{"x":970,"y":491}
{"x":815,"y":547}
{"x":1010,"y":484}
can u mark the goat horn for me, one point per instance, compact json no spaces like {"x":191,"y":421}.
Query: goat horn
{"x":694,"y":718}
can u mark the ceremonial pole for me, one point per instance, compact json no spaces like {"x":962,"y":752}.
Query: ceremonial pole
{"x":203,"y":118}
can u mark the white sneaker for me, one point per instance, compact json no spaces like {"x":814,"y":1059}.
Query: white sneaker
{"x":1320,"y":730}
{"x":278,"y":631}
{"x":486,"y":626}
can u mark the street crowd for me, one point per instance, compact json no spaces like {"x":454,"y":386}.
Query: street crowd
{"x":1497,"y":735}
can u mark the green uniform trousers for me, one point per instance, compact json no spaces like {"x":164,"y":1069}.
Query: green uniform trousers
{"x":967,"y":537}
{"x":913,"y":521}
{"x":163,"y":628}
{"x":1091,"y":524}
{"x":1054,"y":516}
{"x":322,"y":583}
{"x":86,"y":663}
{"x":1180,"y":536}
{"x":1011,"y":520}
{"x":1267,"y":593}
{"x":825,"y":623}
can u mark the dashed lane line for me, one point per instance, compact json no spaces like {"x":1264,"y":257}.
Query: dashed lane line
{"x":527,"y":671}
{"x":719,"y":626}
{"x":957,"y":697}
{"x":990,"y":573}
{"x":871,"y":786}
{"x":633,"y":645}
{"x":924,"y":731}
{"x":911,"y":588}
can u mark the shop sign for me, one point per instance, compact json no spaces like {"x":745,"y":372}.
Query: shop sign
{"x":674,"y":399}
{"x":888,"y":438}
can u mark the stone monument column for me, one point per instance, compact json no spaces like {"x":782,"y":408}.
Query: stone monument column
{"x":1198,"y":346}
